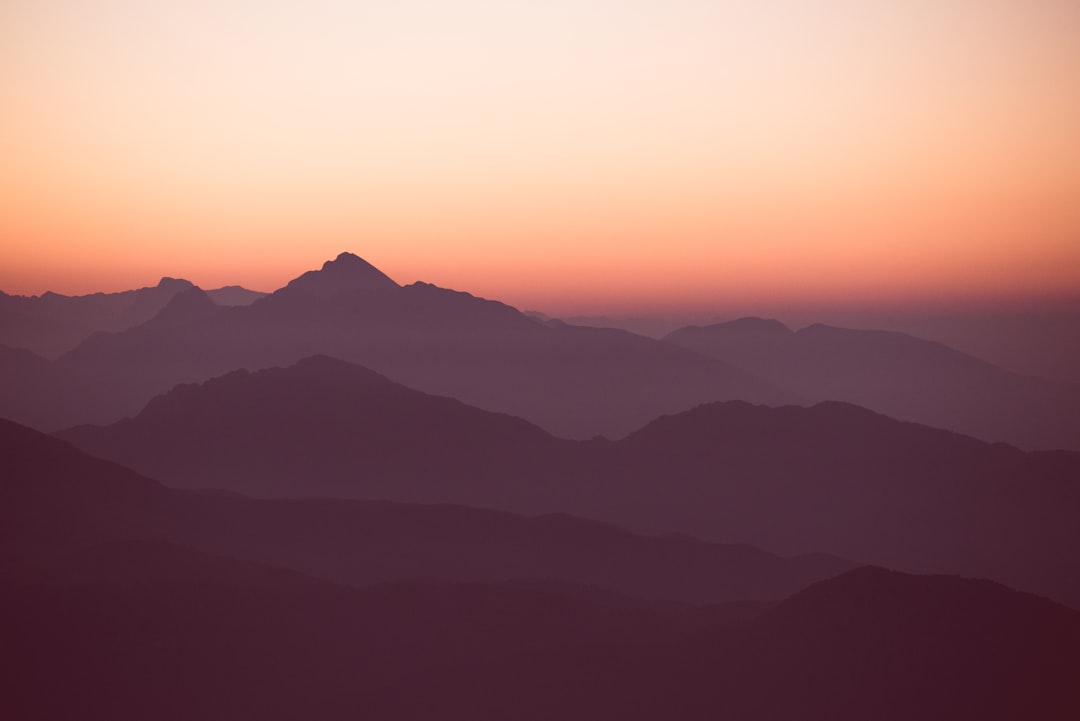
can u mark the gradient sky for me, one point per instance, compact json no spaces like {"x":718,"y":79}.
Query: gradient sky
{"x":573,"y":156}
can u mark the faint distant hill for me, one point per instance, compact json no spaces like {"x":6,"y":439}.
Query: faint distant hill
{"x":51,"y":324}
{"x":572,"y":381}
{"x":833,"y":478}
{"x":899,"y":375}
{"x":1045,"y":344}
{"x":650,"y":327}
{"x":234,"y":295}
{"x":59,"y":502}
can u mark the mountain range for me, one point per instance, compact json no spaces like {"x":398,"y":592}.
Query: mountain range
{"x":60,"y":503}
{"x":899,"y":375}
{"x":574,"y":382}
{"x":52,"y":324}
{"x":832,"y":478}
{"x":127,"y":600}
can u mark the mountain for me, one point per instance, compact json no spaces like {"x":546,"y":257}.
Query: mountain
{"x":155,"y":631}
{"x":347,"y":272}
{"x":52,"y":324}
{"x":127,"y":600}
{"x":1045,"y":343}
{"x":324,"y":427}
{"x":194,"y":636}
{"x":833,"y":478}
{"x":899,"y":375}
{"x":572,"y":381}
{"x":869,"y":644}
{"x":234,"y":295}
{"x":59,"y":502}
{"x":842,"y":479}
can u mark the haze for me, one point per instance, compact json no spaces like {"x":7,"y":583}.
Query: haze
{"x":568,"y":156}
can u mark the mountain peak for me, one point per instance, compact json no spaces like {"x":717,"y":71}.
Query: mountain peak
{"x":347,"y":272}
{"x":176,"y":284}
{"x":345,"y":258}
{"x":186,"y":305}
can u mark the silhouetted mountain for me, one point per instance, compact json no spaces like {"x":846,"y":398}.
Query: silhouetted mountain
{"x":57,"y":502}
{"x":902,"y":376}
{"x":187,"y":306}
{"x":106,"y":616}
{"x":649,"y":327}
{"x":51,"y":324}
{"x":324,"y":427}
{"x":162,"y":632}
{"x":234,"y":295}
{"x":345,"y":273}
{"x":1044,"y":343}
{"x":844,"y":480}
{"x":16,"y":361}
{"x":832,"y":478}
{"x":572,"y":381}
{"x":871,"y":644}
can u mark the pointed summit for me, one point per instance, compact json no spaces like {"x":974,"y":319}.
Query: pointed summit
{"x":345,"y":273}
{"x":189,"y":305}
{"x":175,"y":284}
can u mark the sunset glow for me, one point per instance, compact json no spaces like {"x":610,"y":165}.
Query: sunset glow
{"x":568,"y":156}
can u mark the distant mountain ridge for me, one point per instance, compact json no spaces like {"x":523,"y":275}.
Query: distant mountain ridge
{"x":213,"y":605}
{"x":899,"y":375}
{"x":51,"y":324}
{"x":575,"y":382}
{"x":56,"y":502}
{"x":833,"y":477}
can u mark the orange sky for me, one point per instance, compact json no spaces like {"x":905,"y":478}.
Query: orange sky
{"x":572,"y":156}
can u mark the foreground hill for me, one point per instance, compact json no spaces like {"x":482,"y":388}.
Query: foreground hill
{"x":899,"y":375}
{"x":58,"y":502}
{"x":161,"y":632}
{"x":574,"y":382}
{"x":869,"y":644}
{"x":832,"y":478}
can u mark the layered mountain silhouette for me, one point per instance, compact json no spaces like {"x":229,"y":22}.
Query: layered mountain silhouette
{"x":127,"y":600}
{"x":162,"y":632}
{"x":868,"y":644}
{"x":380,"y":502}
{"x":899,"y":375}
{"x":58,"y":503}
{"x":833,"y":478}
{"x":52,"y":324}
{"x":576,"y":382}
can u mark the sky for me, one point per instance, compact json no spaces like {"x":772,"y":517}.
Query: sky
{"x":569,"y":155}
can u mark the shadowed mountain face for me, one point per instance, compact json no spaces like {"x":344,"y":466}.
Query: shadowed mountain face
{"x":58,"y":503}
{"x":575,"y":382}
{"x":832,"y":478}
{"x":898,"y":375}
{"x":52,"y":324}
